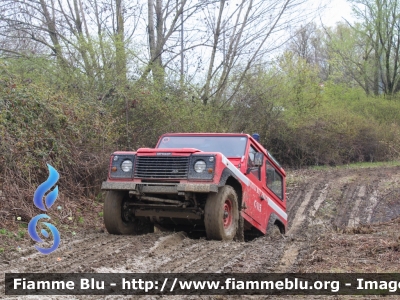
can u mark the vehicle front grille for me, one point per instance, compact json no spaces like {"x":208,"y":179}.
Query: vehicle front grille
{"x":161,"y":167}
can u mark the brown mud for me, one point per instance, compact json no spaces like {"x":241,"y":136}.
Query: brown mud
{"x":340,"y":220}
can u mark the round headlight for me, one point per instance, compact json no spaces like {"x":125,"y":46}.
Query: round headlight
{"x":200,"y":166}
{"x":126,"y":165}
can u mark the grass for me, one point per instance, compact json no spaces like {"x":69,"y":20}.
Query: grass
{"x":361,"y":165}
{"x":5,"y":232}
{"x":326,"y":210}
{"x":18,"y":236}
{"x":293,"y":180}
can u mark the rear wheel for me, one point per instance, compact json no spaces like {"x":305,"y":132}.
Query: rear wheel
{"x":117,"y":218}
{"x":273,"y":229}
{"x":221,"y":214}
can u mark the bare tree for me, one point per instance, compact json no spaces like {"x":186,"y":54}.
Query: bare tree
{"x":164,"y":22}
{"x":378,"y":33}
{"x":242,"y":37}
{"x":222,"y":41}
{"x":308,"y":43}
{"x":67,"y":29}
{"x":350,"y":57}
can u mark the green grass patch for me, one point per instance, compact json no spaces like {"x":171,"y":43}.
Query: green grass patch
{"x":361,"y":165}
{"x":21,"y":234}
{"x":5,"y":232}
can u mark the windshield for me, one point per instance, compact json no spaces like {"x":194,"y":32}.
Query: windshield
{"x":230,"y":146}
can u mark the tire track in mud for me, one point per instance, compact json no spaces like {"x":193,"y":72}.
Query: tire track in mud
{"x":300,"y":215}
{"x":176,"y":253}
{"x":291,"y":252}
{"x":348,"y":191}
{"x":307,"y":222}
{"x":83,"y":248}
{"x":95,"y":249}
{"x":30,"y":260}
{"x":373,"y":202}
{"x":202,"y":259}
{"x":354,"y":219}
{"x":292,"y":203}
{"x":384,"y":200}
{"x":72,"y":257}
{"x":349,"y":198}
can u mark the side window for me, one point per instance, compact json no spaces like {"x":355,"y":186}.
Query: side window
{"x":274,"y":181}
{"x":250,"y":163}
{"x":252,"y":154}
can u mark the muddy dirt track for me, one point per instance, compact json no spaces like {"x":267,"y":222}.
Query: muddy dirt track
{"x":325,"y":208}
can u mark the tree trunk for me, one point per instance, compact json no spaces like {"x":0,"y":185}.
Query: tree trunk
{"x":217,"y":32}
{"x":120,"y":54}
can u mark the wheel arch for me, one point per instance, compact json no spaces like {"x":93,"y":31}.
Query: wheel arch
{"x":274,"y":220}
{"x":228,"y":178}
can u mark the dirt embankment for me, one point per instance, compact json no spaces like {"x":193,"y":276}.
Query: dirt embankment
{"x":340,"y":220}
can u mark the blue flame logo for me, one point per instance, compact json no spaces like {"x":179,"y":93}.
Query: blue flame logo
{"x":32,"y":232}
{"x":44,"y":187}
{"x":49,"y":201}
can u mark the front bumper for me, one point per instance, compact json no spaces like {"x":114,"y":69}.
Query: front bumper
{"x":160,"y":188}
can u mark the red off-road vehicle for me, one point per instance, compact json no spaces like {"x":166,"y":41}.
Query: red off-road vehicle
{"x":223,"y":184}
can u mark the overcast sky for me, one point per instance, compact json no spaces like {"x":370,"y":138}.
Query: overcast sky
{"x":335,"y":12}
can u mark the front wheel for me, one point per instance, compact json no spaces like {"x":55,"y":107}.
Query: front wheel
{"x":221,"y":214}
{"x":116,"y":218}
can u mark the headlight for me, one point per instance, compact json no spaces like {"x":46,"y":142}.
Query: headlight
{"x":126,"y":165}
{"x":200,"y":166}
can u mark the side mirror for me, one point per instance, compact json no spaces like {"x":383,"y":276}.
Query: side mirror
{"x":258,"y":159}
{"x":251,"y":156}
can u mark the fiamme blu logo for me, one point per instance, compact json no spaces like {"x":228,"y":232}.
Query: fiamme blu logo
{"x":49,"y":199}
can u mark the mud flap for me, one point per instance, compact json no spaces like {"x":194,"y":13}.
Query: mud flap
{"x":239,"y":237}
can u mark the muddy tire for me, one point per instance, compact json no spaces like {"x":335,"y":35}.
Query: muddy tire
{"x":273,"y":229}
{"x":221,"y":214}
{"x":114,"y":217}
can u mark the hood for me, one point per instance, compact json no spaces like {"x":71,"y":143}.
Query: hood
{"x":166,"y":152}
